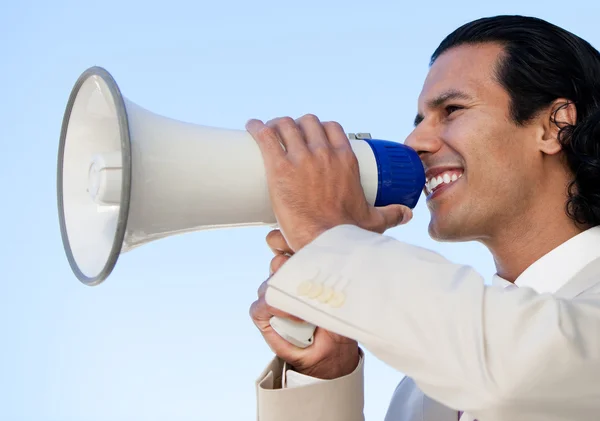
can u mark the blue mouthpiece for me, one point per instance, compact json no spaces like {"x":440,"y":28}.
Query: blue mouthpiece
{"x":400,"y":172}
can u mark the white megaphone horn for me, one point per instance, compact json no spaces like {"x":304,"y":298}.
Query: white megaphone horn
{"x":127,"y":176}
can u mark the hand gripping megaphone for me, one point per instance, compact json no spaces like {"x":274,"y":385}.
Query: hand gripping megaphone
{"x":127,"y":176}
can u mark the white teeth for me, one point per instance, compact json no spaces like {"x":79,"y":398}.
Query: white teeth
{"x":445,"y":178}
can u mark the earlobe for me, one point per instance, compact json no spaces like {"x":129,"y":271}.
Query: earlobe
{"x":562,"y":113}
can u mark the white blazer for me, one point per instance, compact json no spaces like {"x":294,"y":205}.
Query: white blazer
{"x":530,"y":353}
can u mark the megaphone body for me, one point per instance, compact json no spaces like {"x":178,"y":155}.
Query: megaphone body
{"x":127,"y":176}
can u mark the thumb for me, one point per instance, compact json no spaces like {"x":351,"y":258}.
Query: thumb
{"x":394,"y":215}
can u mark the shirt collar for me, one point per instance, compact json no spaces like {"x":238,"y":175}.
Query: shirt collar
{"x":498,"y":281}
{"x":553,"y":270}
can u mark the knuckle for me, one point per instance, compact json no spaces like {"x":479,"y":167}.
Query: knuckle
{"x":303,"y":160}
{"x":261,"y":290}
{"x":284,"y":166}
{"x":287,"y":121}
{"x":282,"y":123}
{"x":289,"y":127}
{"x":272,"y":237}
{"x":322,"y":152}
{"x":273,"y":265}
{"x":309,"y":118}
{"x":278,"y":260}
{"x":335,"y":133}
{"x":347,"y":154}
{"x":334,"y":126}
{"x":267,"y":133}
{"x":254,"y":310}
{"x":281,"y":259}
{"x":302,"y":156}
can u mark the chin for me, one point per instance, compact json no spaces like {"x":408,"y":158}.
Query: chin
{"x":445,"y":230}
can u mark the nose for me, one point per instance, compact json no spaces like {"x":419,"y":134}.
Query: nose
{"x":424,"y":140}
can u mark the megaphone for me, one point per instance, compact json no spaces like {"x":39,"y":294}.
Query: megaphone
{"x":127,"y":176}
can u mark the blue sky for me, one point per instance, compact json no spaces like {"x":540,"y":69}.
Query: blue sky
{"x":168,"y":335}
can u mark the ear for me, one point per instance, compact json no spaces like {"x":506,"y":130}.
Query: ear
{"x":561,"y":113}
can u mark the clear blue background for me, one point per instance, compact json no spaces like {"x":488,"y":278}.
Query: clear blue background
{"x":168,"y":336}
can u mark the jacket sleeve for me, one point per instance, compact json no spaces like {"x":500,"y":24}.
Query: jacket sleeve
{"x":339,"y":399}
{"x":469,"y":346}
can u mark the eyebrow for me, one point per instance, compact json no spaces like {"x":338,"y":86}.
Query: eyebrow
{"x":441,"y":99}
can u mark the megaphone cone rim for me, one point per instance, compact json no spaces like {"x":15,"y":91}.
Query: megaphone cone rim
{"x":123,"y":122}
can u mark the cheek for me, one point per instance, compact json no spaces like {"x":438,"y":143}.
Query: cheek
{"x":468,"y":136}
{"x":487,"y":151}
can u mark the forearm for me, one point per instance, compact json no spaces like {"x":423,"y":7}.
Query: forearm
{"x":465,"y":344}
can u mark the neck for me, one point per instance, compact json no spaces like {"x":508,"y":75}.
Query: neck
{"x":526,"y":240}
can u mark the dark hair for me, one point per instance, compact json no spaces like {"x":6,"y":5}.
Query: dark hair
{"x":541,"y":63}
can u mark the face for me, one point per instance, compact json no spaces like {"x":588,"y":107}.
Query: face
{"x":480,"y":166}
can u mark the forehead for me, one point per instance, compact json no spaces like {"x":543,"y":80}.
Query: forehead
{"x":468,"y":68}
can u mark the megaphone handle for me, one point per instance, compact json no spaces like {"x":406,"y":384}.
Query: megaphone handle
{"x":296,"y":333}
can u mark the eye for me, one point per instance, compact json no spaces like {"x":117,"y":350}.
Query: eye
{"x":452,"y":108}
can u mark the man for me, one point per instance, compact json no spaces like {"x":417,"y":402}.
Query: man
{"x":508,"y":129}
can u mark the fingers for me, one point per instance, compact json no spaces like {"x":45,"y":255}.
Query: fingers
{"x":267,"y":139}
{"x":289,"y":133}
{"x":262,"y":289}
{"x":313,"y":131}
{"x":261,"y":317}
{"x":277,"y":243}
{"x":394,"y":215}
{"x":296,"y":136}
{"x":336,"y":135}
{"x":261,"y":312}
{"x":277,"y":262}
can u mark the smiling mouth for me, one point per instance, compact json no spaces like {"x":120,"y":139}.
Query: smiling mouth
{"x":442,"y":180}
